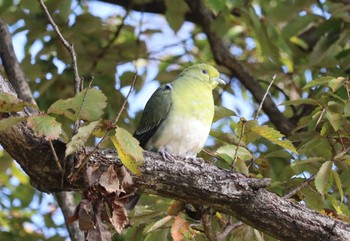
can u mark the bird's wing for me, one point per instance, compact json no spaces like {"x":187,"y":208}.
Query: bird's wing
{"x":155,"y":112}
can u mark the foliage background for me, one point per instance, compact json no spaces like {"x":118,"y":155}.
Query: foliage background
{"x":304,"y":42}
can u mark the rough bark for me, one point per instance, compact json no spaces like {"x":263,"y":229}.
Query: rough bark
{"x":194,"y":181}
{"x":11,"y":65}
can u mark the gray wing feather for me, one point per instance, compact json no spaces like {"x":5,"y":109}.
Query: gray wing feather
{"x":155,"y":112}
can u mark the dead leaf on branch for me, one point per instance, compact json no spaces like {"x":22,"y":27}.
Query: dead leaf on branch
{"x":119,"y":215}
{"x":103,"y":202}
{"x":109,"y":181}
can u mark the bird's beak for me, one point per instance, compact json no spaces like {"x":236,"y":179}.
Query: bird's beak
{"x":220,"y":81}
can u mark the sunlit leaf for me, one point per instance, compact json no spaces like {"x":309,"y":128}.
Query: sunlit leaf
{"x":45,"y":126}
{"x":228,"y":152}
{"x":336,"y":83}
{"x":129,"y":150}
{"x":88,"y":104}
{"x":273,"y":136}
{"x":79,"y":139}
{"x":307,"y":101}
{"x":10,"y":103}
{"x":241,"y":167}
{"x":339,"y":185}
{"x":160,"y":223}
{"x":340,"y":208}
{"x":323,"y":179}
{"x":10,"y":121}
{"x":222,"y":112}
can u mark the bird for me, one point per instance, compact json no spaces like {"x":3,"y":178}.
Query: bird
{"x":177,"y":118}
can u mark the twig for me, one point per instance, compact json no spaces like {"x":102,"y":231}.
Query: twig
{"x":228,"y":229}
{"x":126,"y":99}
{"x":208,"y":229}
{"x":78,"y":85}
{"x":87,"y":157}
{"x":55,"y":156}
{"x":244,"y":123}
{"x":298,"y":188}
{"x":265,"y":95}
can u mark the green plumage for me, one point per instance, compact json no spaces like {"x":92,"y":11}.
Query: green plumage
{"x":178,"y":116}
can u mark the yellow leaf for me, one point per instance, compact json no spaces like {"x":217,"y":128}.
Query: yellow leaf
{"x":273,"y":136}
{"x":129,"y":150}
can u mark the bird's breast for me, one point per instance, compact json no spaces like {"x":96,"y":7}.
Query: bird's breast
{"x":180,"y":136}
{"x":186,"y":129}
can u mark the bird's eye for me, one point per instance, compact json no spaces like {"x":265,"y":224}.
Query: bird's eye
{"x":204,"y":71}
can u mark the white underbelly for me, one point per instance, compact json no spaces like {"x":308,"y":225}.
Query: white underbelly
{"x":182,"y":137}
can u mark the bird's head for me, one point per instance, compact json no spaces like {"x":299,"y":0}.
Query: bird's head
{"x":205,"y":73}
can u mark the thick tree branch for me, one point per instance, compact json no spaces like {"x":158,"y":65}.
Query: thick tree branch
{"x":12,"y":67}
{"x":20,"y":83}
{"x":193,"y":181}
{"x":223,"y":57}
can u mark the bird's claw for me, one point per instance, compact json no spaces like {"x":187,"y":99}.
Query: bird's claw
{"x":167,"y":156}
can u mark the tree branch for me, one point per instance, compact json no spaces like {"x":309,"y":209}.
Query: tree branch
{"x":12,"y":67}
{"x":66,"y":202}
{"x":223,"y":57}
{"x":193,"y":181}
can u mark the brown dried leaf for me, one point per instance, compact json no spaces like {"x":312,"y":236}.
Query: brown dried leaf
{"x":124,"y":177}
{"x":110,"y":181}
{"x":85,"y":213}
{"x":119,"y":217}
{"x":93,"y":174}
{"x":100,"y":232}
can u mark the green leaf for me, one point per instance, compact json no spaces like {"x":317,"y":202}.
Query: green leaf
{"x":44,"y":125}
{"x":10,"y":121}
{"x":297,"y":165}
{"x":89,"y":104}
{"x":129,"y":150}
{"x":79,"y":139}
{"x":323,"y":179}
{"x":320,"y":81}
{"x":339,"y":207}
{"x":339,"y":185}
{"x":274,"y":136}
{"x":336,"y":83}
{"x":307,"y":101}
{"x":175,"y":13}
{"x":216,"y":5}
{"x":228,"y":152}
{"x":297,"y":25}
{"x":334,"y":114}
{"x":222,"y":112}
{"x":157,"y":224}
{"x":10,"y":103}
{"x":241,"y":166}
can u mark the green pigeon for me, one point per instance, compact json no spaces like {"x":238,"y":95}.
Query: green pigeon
{"x":178,"y":116}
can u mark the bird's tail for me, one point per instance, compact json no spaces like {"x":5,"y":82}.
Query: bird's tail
{"x":132,"y":202}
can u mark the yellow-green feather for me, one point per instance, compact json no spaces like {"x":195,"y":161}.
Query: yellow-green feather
{"x":178,"y":117}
